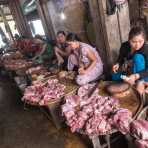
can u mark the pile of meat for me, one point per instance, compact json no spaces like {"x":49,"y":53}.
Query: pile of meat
{"x":42,"y":94}
{"x":139,"y":130}
{"x":36,"y":70}
{"x":94,"y":115}
{"x":12,"y":64}
{"x":70,"y":75}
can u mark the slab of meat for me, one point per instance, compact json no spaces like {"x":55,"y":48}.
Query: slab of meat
{"x":141,"y":143}
{"x":139,"y":129}
{"x":84,"y":90}
{"x":121,"y":119}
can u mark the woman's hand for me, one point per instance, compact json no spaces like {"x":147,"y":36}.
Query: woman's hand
{"x":129,"y":80}
{"x":115,"y":68}
{"x":132,"y":78}
{"x":60,"y":61}
{"x":82,"y":71}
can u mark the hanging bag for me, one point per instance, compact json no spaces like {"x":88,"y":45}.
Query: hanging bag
{"x":120,"y":2}
{"x":145,"y":7}
{"x":111,"y":5}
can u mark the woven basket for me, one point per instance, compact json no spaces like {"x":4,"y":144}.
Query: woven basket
{"x":55,"y":101}
{"x":81,"y":131}
{"x":31,"y":103}
{"x":44,"y":80}
{"x":143,"y":114}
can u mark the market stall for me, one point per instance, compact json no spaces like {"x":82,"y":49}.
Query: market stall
{"x":101,"y":108}
{"x":101,"y":115}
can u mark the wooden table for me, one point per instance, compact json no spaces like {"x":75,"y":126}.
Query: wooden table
{"x":54,"y":107}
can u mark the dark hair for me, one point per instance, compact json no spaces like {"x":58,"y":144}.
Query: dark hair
{"x":136,"y":31}
{"x":72,"y":37}
{"x":37,"y":36}
{"x":61,"y":32}
{"x":16,"y":36}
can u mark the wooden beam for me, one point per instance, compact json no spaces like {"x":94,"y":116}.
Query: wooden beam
{"x":6,"y":23}
{"x":134,"y":9}
{"x":102,"y":43}
{"x":4,"y":2}
{"x":20,"y":19}
{"x":45,"y":18}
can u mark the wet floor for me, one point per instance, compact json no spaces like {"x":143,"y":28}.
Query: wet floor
{"x":30,"y":128}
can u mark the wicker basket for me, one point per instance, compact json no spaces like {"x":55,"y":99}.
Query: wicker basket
{"x":31,"y":103}
{"x":54,"y":101}
{"x":143,"y":114}
{"x":44,"y":80}
{"x":81,"y":131}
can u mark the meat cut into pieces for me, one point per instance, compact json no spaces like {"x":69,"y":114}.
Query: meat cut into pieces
{"x":84,"y":90}
{"x":41,"y":94}
{"x":141,"y":143}
{"x":96,"y":125}
{"x":121,"y":120}
{"x":94,"y":115}
{"x":12,"y":64}
{"x":139,"y":129}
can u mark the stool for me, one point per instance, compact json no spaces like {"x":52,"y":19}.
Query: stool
{"x":54,"y":110}
{"x":145,"y":97}
{"x":97,"y":144}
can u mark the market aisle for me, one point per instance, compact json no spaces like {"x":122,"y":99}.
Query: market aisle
{"x":21,"y":128}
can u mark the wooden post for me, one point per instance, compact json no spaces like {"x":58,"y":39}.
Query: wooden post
{"x":96,"y":142}
{"x":54,"y":110}
{"x":45,"y":17}
{"x":20,"y":19}
{"x":102,"y":43}
{"x":107,"y":138}
{"x":2,"y":33}
{"x":134,"y":9}
{"x":7,"y":27}
{"x":111,"y":31}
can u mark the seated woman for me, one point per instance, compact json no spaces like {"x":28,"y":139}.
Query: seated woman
{"x":86,"y":58}
{"x":44,"y":53}
{"x":60,"y":49}
{"x":134,"y":52}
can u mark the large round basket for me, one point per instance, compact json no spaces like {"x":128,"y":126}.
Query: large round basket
{"x":143,"y":114}
{"x":132,"y":101}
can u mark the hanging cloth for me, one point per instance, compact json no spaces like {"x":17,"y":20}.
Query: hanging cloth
{"x":120,"y":3}
{"x":111,"y":7}
{"x":145,"y":7}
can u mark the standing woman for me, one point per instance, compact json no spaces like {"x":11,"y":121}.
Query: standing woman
{"x":86,"y":58}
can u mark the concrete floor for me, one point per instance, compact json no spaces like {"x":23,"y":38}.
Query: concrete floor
{"x":29,"y":128}
{"x":21,"y":128}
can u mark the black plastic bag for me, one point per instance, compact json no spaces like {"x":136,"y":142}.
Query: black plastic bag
{"x":110,"y":7}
